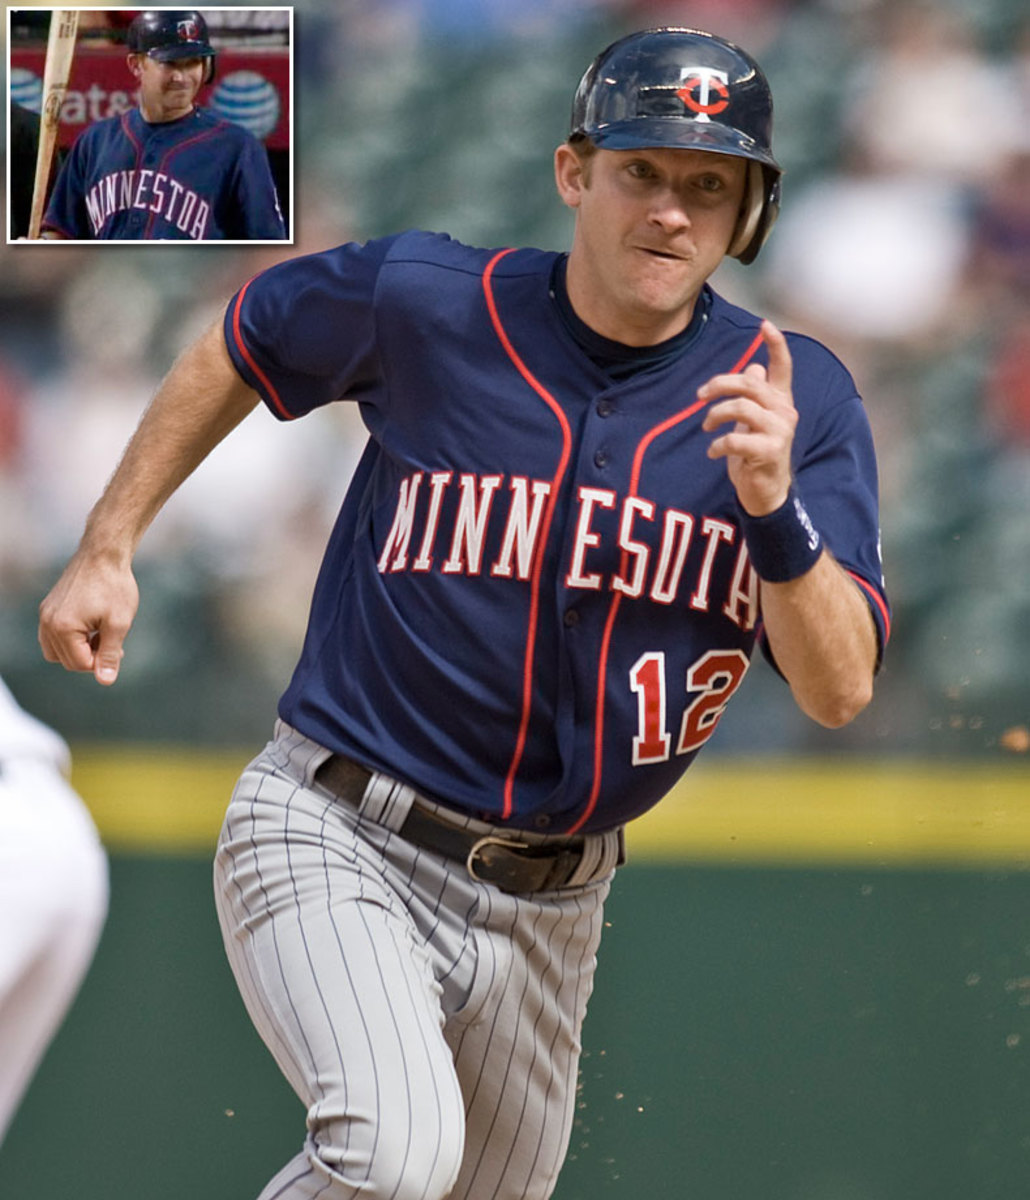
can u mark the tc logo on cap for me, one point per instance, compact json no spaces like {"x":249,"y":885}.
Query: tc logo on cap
{"x":188,"y":30}
{"x":705,"y":91}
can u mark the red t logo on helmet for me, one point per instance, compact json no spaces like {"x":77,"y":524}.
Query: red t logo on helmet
{"x":699,"y":84}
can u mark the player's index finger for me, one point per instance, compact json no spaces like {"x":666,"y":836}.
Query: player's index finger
{"x":781,"y":366}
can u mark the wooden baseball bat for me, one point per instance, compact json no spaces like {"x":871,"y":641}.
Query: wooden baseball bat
{"x":60,"y":50}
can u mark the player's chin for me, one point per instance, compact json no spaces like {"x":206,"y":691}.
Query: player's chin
{"x":178,"y":106}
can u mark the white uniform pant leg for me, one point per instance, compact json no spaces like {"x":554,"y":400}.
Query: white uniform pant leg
{"x":53,"y":902}
{"x":516,"y":973}
{"x":340,"y":986}
{"x":517,"y":1045}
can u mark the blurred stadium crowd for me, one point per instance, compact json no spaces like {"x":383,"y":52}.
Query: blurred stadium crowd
{"x":904,"y":243}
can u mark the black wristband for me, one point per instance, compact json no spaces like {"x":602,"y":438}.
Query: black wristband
{"x":784,"y":544}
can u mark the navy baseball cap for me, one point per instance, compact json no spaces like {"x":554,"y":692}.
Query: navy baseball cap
{"x":169,"y":34}
{"x":676,"y":87}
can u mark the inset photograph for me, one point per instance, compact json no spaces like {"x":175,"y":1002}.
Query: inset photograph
{"x":150,"y":125}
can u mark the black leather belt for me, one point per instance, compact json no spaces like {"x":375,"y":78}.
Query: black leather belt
{"x":507,"y":863}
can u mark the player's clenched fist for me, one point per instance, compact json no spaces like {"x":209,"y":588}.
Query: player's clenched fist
{"x":761,"y":405}
{"x":84,"y":619}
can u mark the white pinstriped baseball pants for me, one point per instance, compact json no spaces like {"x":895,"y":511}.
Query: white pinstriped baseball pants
{"x":429,"y":1023}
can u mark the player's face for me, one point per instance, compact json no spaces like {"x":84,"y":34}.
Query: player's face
{"x":651,"y":226}
{"x":168,"y":90}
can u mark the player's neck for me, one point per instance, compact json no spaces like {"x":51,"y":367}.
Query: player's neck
{"x":633,"y":328}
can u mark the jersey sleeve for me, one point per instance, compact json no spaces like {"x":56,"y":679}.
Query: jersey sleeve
{"x":66,"y":210}
{"x":302,"y":333}
{"x":838,"y":481}
{"x":257,"y":200}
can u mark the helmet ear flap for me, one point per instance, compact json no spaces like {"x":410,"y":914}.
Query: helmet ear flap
{"x":759,"y":210}
{"x":750,"y":211}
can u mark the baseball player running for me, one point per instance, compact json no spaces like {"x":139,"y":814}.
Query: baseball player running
{"x":167,"y":170}
{"x":591,"y":487}
{"x":53,"y":895}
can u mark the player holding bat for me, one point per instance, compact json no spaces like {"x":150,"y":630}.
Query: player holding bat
{"x":591,"y":488}
{"x":168,"y":170}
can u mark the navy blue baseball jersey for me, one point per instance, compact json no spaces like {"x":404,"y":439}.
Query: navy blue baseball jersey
{"x":536,"y":601}
{"x":197,"y":178}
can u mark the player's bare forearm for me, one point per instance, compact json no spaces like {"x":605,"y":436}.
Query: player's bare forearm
{"x":822,"y":635}
{"x":86,"y":616}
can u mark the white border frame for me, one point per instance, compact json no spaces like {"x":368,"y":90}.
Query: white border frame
{"x":291,"y":226}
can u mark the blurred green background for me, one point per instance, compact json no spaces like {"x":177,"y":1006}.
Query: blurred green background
{"x":820,"y":998}
{"x":801,"y":1034}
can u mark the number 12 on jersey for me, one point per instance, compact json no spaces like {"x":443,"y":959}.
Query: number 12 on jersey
{"x":714,"y":677}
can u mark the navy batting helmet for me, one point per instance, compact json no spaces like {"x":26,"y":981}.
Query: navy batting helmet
{"x":683,"y":88}
{"x":166,"y":34}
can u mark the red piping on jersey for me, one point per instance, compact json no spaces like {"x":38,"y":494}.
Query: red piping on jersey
{"x":127,"y":130}
{"x":878,"y":600}
{"x":249,"y":358}
{"x":602,"y":669}
{"x":138,"y":146}
{"x":538,"y":558}
{"x":172,"y":151}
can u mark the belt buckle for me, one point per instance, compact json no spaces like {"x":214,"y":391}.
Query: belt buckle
{"x":490,"y":839}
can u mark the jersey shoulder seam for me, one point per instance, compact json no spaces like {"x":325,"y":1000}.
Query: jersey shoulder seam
{"x":396,"y":256}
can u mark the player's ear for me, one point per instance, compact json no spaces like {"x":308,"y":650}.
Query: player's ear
{"x":135,"y":64}
{"x":569,"y":174}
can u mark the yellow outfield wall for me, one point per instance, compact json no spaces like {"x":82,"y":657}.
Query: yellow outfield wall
{"x":789,"y":811}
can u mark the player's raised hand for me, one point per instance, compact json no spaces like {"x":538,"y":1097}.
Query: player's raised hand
{"x":85,"y":618}
{"x":760,"y":404}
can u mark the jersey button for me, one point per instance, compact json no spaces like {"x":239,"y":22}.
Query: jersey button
{"x":571,"y":618}
{"x":601,"y":458}
{"x":542,"y":821}
{"x":605,"y":408}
